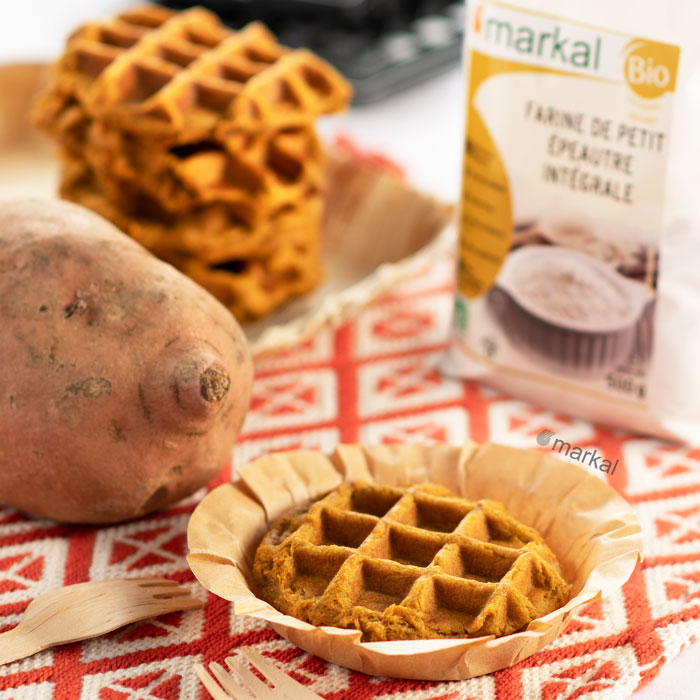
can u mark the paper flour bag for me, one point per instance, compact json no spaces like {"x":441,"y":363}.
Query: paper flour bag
{"x":579,"y":257}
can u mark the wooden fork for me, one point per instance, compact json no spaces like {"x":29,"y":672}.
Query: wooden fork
{"x":86,"y":610}
{"x":284,"y":686}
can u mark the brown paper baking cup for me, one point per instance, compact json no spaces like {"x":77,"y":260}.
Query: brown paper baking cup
{"x":593,"y":531}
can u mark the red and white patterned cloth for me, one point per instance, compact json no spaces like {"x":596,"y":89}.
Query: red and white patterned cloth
{"x":371,"y":381}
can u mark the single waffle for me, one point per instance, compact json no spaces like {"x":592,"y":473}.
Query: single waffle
{"x":251,"y":271}
{"x":181,"y":76}
{"x":259,"y":173}
{"x":408,"y":563}
{"x":212,"y":233}
{"x":255,"y":287}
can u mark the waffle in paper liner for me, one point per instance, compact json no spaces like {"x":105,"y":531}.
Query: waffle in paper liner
{"x":592,"y":530}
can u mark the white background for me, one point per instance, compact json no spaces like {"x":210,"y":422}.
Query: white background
{"x":421,"y":129}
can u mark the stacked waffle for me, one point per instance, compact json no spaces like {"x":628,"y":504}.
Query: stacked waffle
{"x":408,"y":563}
{"x":199,"y":142}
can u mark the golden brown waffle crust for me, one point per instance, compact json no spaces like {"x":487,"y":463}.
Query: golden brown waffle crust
{"x":177,"y":76}
{"x":199,"y":142}
{"x":411,"y":562}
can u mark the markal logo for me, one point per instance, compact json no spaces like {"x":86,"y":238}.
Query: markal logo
{"x":548,"y":42}
{"x":590,"y":458}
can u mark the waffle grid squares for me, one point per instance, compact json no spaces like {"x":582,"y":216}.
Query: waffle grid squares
{"x":199,"y":142}
{"x":408,"y":563}
{"x":150,"y":70}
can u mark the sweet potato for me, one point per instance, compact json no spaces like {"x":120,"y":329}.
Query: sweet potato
{"x":123,"y":384}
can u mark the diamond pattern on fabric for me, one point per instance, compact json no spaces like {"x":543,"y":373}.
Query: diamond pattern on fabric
{"x":375,"y":381}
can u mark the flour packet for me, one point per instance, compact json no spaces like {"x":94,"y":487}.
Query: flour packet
{"x":578,"y":281}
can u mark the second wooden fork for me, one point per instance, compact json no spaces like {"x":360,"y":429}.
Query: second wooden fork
{"x":249,"y":686}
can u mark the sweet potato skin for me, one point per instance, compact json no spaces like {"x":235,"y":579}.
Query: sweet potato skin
{"x":123,"y":384}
